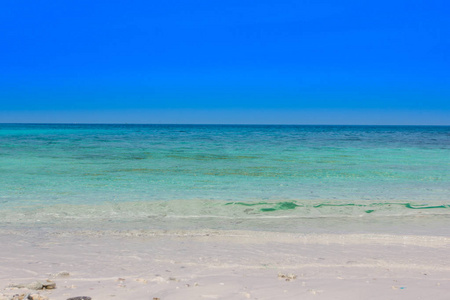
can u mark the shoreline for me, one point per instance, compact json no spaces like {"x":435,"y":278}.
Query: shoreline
{"x":290,"y":217}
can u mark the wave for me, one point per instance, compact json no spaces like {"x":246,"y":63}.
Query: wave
{"x":289,"y":205}
{"x":202,"y":209}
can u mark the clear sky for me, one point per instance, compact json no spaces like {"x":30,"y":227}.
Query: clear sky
{"x":231,"y":61}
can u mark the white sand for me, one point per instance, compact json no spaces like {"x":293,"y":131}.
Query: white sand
{"x":226,"y":265}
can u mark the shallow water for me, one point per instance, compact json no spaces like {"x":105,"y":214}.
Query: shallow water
{"x":186,"y":171}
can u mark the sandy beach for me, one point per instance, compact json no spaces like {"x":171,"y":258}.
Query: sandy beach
{"x":212,"y":264}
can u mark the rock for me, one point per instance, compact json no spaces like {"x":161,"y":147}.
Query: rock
{"x":49,"y":285}
{"x":80,"y":298}
{"x":35,"y":285}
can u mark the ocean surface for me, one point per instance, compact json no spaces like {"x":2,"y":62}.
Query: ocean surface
{"x":155,"y":174}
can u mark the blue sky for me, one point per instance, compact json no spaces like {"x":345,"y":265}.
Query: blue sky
{"x":293,"y":62}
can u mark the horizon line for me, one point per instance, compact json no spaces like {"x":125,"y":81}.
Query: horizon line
{"x":214,"y":124}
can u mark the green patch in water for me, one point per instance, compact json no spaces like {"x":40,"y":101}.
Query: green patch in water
{"x":281,"y":206}
{"x":408,"y":205}
{"x":286,"y":205}
{"x":290,"y":205}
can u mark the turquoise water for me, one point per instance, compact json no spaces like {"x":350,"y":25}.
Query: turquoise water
{"x":130,"y":170}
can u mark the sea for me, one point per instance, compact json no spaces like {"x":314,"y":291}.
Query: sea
{"x":252,"y":177}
